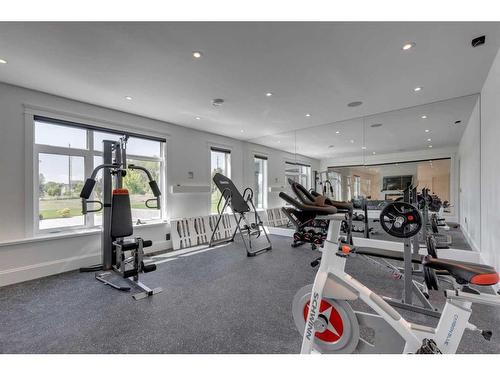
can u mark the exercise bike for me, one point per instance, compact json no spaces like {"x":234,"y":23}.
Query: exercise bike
{"x":329,"y":324}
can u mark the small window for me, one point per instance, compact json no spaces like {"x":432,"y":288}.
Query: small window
{"x":60,"y":136}
{"x":60,"y":180}
{"x":260,"y":184}
{"x":357,"y":187}
{"x":220,"y":162}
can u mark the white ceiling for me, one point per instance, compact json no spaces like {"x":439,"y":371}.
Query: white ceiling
{"x":401,"y":130}
{"x":312,"y":68}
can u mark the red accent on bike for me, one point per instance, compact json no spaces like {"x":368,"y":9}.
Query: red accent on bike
{"x":335,"y":320}
{"x":410,"y":218}
{"x":485,"y":279}
{"x":346,"y":249}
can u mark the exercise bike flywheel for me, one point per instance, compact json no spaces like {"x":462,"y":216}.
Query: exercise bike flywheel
{"x":337,"y":328}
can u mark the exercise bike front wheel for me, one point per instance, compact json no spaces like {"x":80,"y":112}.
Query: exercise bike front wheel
{"x":338,"y":331}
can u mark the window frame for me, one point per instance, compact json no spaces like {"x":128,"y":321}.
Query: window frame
{"x":88,"y":155}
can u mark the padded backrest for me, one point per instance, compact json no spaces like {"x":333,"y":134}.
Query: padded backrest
{"x":121,"y":214}
{"x":224,"y":184}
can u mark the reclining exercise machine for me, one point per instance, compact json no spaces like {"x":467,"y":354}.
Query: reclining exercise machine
{"x":117,"y":228}
{"x":240,"y":207}
{"x":303,"y":219}
{"x":329,"y":324}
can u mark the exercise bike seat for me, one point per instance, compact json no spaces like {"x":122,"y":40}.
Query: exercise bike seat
{"x":464,"y":272}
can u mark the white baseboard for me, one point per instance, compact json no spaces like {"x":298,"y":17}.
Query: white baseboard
{"x":36,"y":271}
{"x":54,"y":267}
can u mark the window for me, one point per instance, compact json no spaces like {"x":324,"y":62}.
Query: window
{"x":60,"y":180}
{"x":357,"y":187}
{"x":260,"y":184}
{"x":300,"y":173}
{"x":65,"y":155}
{"x":220,"y":162}
{"x":336,"y":181}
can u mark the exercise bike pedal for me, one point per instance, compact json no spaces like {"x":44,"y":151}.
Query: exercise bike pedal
{"x":487,"y":335}
{"x":316,"y":262}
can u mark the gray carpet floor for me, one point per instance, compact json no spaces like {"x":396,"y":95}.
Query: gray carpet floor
{"x":218,"y":301}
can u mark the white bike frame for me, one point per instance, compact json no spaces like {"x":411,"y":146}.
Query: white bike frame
{"x":332,"y":282}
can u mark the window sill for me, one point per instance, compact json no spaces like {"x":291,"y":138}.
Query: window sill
{"x":70,"y":233}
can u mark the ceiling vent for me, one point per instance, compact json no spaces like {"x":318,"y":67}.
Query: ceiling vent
{"x":217,"y":102}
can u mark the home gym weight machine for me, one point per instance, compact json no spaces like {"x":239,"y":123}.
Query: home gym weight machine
{"x":240,"y":207}
{"x":122,"y":255}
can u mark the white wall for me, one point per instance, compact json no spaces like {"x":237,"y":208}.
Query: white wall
{"x":469,"y":160}
{"x":188,"y":150}
{"x":490,"y":166}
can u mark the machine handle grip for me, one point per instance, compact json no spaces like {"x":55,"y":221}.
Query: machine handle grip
{"x":154,"y":188}
{"x":85,"y":203}
{"x":87,"y":188}
{"x":157,"y":200}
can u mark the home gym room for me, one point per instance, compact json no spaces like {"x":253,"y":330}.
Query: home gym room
{"x":249,"y":187}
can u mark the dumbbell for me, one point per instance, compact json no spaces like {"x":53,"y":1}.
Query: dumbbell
{"x":298,"y":236}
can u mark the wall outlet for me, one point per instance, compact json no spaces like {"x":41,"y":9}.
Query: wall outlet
{"x":167,"y":236}
{"x":190,"y":175}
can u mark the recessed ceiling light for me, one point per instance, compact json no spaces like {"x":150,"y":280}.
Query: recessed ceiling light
{"x":128,"y":97}
{"x":337,"y":132}
{"x":197,"y":54}
{"x":308,"y":115}
{"x":408,"y":46}
{"x":269,"y":94}
{"x":430,"y":146}
{"x":423,"y":116}
{"x":374,"y":153}
{"x":197,"y":118}
{"x":429,"y":140}
{"x":352,"y":141}
{"x":2,"y":61}
{"x":242,"y":131}
{"x":417,"y":89}
{"x":279,"y":141}
{"x":363,"y":147}
{"x":427,"y":130}
{"x":458,"y":122}
{"x":376,"y":125}
{"x":354,"y":104}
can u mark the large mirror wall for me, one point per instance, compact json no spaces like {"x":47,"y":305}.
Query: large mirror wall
{"x":374,"y":156}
